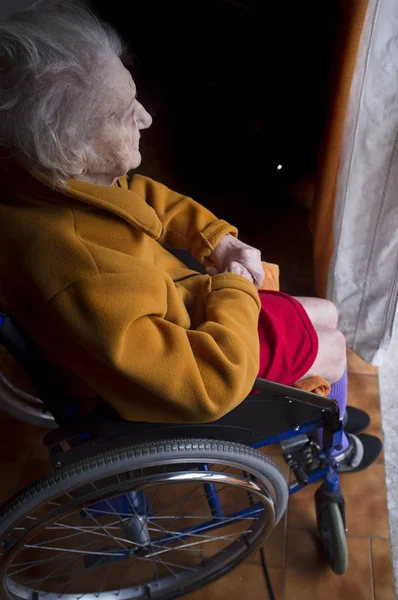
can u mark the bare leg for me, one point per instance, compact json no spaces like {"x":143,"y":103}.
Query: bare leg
{"x":331,"y":363}
{"x":331,"y":360}
{"x":322,"y":313}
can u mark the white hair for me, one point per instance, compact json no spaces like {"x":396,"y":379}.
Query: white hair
{"x":50,"y":84}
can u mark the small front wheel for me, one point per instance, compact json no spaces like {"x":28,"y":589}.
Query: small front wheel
{"x":332,"y":531}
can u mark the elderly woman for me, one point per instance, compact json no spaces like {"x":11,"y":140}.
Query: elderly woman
{"x":84,"y":266}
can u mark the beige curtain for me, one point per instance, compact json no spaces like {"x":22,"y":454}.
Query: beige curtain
{"x":363,"y":274}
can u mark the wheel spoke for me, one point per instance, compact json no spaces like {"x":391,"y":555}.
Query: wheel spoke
{"x":165,"y":534}
{"x":186,"y":499}
{"x":74,"y":551}
{"x":105,"y":579}
{"x":68,"y":562}
{"x":27,"y":565}
{"x":109,"y":535}
{"x":82,"y":530}
{"x":184,"y":546}
{"x":50,"y":576}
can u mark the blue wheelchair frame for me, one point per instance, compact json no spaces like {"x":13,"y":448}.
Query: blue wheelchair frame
{"x":88,"y":436}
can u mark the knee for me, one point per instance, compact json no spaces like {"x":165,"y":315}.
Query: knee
{"x":339,"y":355}
{"x":331,"y":360}
{"x":322,"y":313}
{"x":336,"y":355}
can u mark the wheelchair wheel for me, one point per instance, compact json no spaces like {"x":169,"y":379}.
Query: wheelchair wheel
{"x":149,"y":521}
{"x":332,"y":532}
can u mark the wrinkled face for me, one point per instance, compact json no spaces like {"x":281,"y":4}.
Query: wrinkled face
{"x":117,"y":135}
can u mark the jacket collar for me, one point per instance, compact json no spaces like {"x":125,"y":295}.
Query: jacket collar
{"x":120,"y":201}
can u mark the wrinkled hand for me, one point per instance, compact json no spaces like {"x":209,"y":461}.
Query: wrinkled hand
{"x":233,"y":256}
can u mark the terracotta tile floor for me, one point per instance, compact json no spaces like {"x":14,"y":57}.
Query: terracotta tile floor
{"x":296,"y":566}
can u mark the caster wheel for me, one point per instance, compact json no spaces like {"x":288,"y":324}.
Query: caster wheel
{"x":332,"y":532}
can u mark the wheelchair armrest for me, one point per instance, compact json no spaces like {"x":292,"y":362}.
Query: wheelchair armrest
{"x":286,"y":391}
{"x":275,"y":410}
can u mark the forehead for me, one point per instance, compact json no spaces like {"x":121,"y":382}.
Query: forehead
{"x":127,"y":82}
{"x":119,"y":83}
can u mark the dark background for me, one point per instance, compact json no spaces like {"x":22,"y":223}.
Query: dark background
{"x":236,"y":88}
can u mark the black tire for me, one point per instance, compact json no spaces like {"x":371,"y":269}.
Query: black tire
{"x":179,"y":454}
{"x":333,"y":536}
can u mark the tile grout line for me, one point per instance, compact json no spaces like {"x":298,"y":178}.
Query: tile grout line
{"x":372,"y":579}
{"x":376,"y":537}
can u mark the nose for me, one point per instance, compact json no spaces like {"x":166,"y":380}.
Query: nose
{"x":144,"y":119}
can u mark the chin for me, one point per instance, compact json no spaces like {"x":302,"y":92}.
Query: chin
{"x":135,"y":160}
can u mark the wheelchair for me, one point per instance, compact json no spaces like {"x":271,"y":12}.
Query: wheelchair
{"x":157,"y":510}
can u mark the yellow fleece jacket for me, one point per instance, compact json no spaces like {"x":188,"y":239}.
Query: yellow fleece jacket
{"x":85,"y":272}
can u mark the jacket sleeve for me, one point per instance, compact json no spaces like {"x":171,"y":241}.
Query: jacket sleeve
{"x":116,"y":338}
{"x":186,"y":223}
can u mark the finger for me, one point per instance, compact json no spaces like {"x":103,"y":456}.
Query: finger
{"x":252,"y":262}
{"x":212,"y":271}
{"x":239,"y":269}
{"x":258,"y":276}
{"x":256,"y":270}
